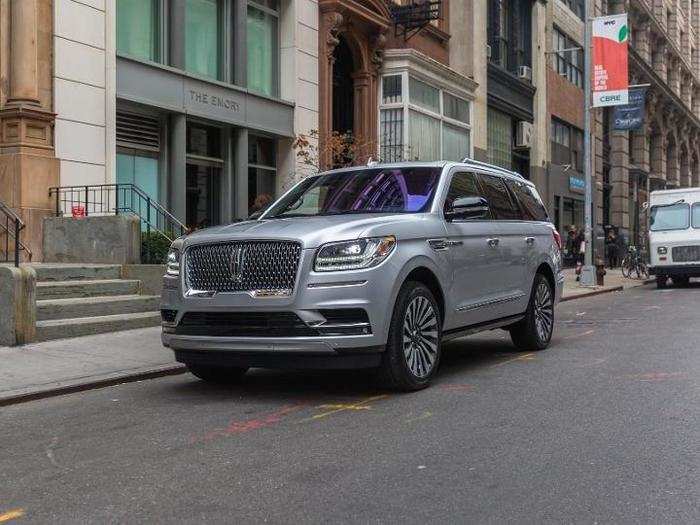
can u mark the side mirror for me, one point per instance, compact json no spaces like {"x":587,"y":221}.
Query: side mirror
{"x":468,"y":208}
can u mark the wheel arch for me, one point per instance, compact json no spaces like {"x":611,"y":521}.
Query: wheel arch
{"x":424,"y":275}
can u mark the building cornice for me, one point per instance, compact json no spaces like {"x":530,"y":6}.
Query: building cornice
{"x":430,"y":70}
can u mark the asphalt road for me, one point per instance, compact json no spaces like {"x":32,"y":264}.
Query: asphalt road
{"x":604,"y":427}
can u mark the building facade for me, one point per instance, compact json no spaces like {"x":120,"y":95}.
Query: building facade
{"x":200,"y":103}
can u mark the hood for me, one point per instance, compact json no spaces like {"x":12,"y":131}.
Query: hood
{"x":310,"y":231}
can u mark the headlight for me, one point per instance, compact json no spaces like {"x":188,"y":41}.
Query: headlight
{"x":662,"y":250}
{"x":172,"y":263}
{"x":354,"y":255}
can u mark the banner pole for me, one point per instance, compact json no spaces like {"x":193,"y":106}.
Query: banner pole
{"x":588,"y":277}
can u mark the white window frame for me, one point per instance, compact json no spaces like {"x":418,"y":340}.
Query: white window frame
{"x":407,"y":107}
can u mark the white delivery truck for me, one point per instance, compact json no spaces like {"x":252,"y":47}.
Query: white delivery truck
{"x":674,"y":235}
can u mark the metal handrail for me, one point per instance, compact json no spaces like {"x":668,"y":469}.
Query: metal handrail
{"x":13,"y":231}
{"x":115,"y":199}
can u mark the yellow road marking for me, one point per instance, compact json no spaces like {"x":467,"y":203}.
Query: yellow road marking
{"x":11,"y":515}
{"x":524,"y":357}
{"x":341,"y":407}
{"x":576,"y":336}
{"x":425,"y":415}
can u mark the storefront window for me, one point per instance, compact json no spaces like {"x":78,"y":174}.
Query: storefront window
{"x":137,"y":33}
{"x":204,"y":166}
{"x":202,"y":37}
{"x":262,"y":173}
{"x":137,"y":168}
{"x":263,"y":46}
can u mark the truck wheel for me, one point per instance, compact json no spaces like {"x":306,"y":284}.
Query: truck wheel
{"x":661,"y":281}
{"x":681,"y":281}
{"x":217,"y":374}
{"x":412,"y":352}
{"x":534,"y":331}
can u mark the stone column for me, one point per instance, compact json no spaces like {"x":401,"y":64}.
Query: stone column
{"x":240,"y":31}
{"x":329,"y":26}
{"x":177,"y":164}
{"x":240,"y":188}
{"x":640,"y":148}
{"x":643,"y":44}
{"x":619,"y":179}
{"x":658,"y":156}
{"x":24,"y":81}
{"x":659,"y":58}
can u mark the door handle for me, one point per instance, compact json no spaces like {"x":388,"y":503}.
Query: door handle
{"x":493,"y":242}
{"x":529,"y":241}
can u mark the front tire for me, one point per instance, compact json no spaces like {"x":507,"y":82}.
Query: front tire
{"x":534,"y":331}
{"x":219,"y":375}
{"x":661,"y":281}
{"x":413,"y":351}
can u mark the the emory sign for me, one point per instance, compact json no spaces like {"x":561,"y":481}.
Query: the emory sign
{"x":212,"y":99}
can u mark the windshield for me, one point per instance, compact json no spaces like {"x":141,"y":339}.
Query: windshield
{"x":673,"y":217}
{"x":372,"y":190}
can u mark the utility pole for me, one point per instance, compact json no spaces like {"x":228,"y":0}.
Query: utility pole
{"x":588,"y":276}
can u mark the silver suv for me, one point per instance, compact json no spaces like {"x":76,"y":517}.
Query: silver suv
{"x":369,"y":267}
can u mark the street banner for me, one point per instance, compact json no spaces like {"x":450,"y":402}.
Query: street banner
{"x":631,"y":115}
{"x":610,"y":67}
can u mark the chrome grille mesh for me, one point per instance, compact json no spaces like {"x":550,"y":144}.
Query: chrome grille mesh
{"x":243,"y":266}
{"x":686,"y":254}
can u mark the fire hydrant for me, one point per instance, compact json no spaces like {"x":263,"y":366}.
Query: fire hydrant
{"x":600,"y":271}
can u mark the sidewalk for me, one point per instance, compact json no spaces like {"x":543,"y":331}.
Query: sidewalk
{"x":614,"y":281}
{"x":70,"y":365}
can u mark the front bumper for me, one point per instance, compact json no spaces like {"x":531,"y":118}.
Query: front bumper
{"x":676,"y":270}
{"x":371,"y":290}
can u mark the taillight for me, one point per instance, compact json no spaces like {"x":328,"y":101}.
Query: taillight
{"x":557,"y":238}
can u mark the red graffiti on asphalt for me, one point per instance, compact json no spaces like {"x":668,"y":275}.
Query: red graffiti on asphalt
{"x":241,"y":427}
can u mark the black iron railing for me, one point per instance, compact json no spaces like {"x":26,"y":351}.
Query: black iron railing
{"x":158,"y":226}
{"x":11,"y":227}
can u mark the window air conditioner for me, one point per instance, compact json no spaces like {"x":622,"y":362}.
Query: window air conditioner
{"x":525,"y":73}
{"x":523,"y":139}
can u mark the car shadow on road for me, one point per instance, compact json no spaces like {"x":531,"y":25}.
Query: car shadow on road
{"x":460,"y":357}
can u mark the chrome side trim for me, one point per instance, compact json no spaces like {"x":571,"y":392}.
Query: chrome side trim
{"x":491,"y":302}
{"x":469,"y":330}
{"x":343,"y":284}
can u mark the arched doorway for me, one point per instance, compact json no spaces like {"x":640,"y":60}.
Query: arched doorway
{"x":343,"y":88}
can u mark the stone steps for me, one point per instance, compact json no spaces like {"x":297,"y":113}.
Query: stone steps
{"x":50,"y":309}
{"x":63,"y":328}
{"x":83,"y":299}
{"x":86,"y":288}
{"x":73,"y":272}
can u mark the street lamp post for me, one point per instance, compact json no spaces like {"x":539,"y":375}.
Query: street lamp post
{"x":588,"y":277}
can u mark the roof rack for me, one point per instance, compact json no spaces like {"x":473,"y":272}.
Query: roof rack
{"x":467,"y":160}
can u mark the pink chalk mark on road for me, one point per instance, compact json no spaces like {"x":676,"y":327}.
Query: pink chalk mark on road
{"x":454,"y":387}
{"x":241,"y":427}
{"x":658,"y":376}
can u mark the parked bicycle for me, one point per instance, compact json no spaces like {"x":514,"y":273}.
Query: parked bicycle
{"x":634,"y":265}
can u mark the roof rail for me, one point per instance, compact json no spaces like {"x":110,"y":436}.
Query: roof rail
{"x":467,"y":160}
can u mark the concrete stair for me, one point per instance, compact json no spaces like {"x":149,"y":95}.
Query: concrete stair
{"x":75,"y":300}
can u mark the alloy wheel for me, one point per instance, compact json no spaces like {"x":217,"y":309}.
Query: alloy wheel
{"x":420,"y":336}
{"x":544,"y":312}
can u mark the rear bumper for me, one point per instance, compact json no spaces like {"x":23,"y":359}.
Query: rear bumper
{"x":676,"y":270}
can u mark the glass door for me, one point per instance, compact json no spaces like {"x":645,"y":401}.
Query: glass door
{"x":204,"y":171}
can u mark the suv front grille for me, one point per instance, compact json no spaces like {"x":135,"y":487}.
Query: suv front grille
{"x":244,"y":324}
{"x":686,"y":254}
{"x":258,"y":267}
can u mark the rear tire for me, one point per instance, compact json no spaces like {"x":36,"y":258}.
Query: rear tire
{"x":534,"y":331}
{"x":217,"y":374}
{"x":412,"y":354}
{"x":661,"y":281}
{"x":681,"y":281}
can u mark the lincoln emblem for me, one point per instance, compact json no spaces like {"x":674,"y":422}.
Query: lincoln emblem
{"x":237,"y":262}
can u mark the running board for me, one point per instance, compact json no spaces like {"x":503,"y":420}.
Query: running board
{"x":481,"y":327}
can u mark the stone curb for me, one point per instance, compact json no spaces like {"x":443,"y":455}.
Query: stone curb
{"x":591,"y":293}
{"x":81,"y":385}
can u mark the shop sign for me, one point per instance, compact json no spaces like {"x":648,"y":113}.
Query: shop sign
{"x":577,"y":184}
{"x":610,"y":61}
{"x":214,"y":100}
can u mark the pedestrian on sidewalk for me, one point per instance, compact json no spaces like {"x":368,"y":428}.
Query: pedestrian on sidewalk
{"x":571,"y":248}
{"x":581,"y":253}
{"x":611,"y":249}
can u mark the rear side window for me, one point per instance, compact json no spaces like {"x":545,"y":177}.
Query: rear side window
{"x":502,"y":206}
{"x":462,"y":185}
{"x":530,"y":202}
{"x":696,"y":215}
